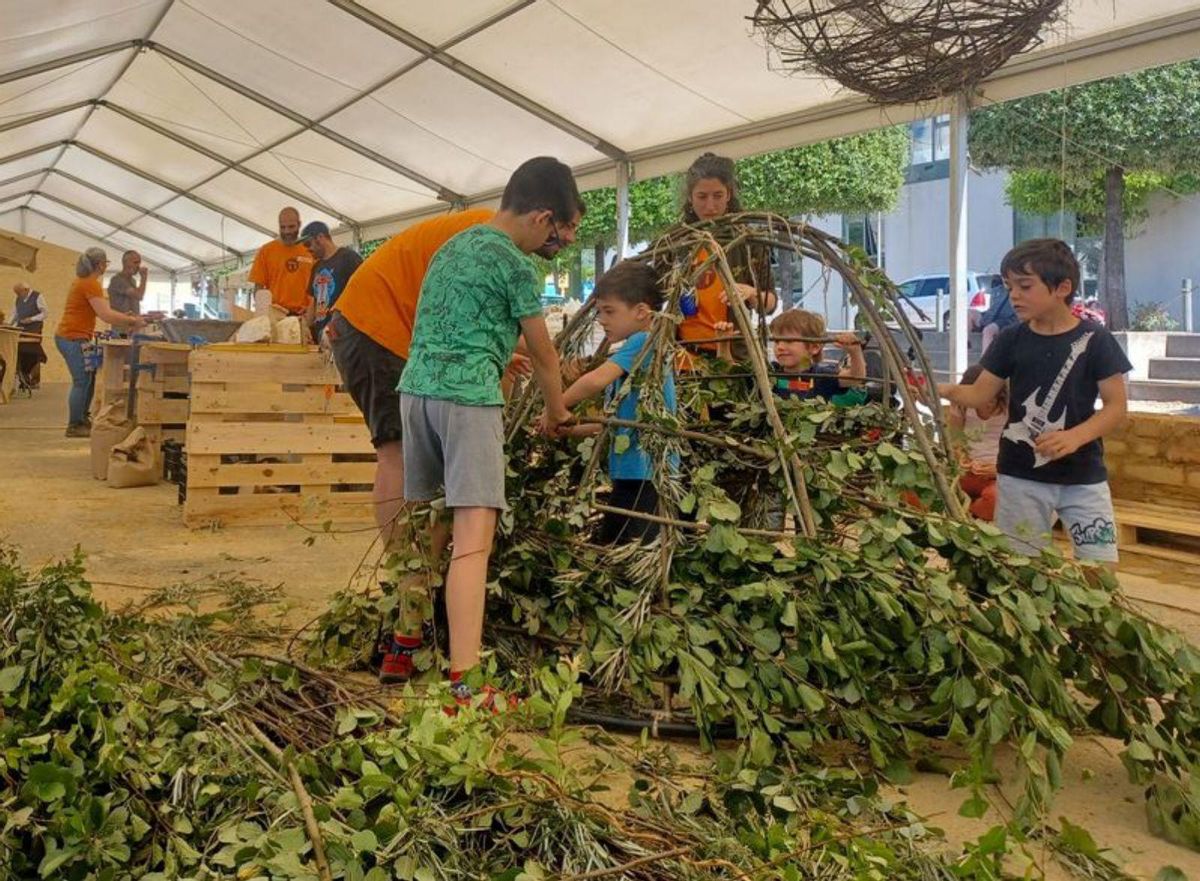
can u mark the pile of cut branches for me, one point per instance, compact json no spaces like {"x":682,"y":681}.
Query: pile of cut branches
{"x":165,"y":747}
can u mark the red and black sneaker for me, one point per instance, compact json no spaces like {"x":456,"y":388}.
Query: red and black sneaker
{"x":489,"y":698}
{"x":397,"y":664}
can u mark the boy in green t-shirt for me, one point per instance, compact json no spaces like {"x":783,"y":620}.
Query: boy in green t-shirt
{"x":480,"y":294}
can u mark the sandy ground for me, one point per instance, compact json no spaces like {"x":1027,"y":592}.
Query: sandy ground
{"x":134,"y":539}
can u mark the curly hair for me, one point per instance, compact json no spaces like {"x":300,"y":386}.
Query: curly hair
{"x":710,"y":166}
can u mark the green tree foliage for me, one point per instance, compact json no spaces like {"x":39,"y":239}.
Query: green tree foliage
{"x":854,"y":174}
{"x":1124,"y":138}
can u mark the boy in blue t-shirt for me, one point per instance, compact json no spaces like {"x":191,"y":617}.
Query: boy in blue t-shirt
{"x":627,"y":297}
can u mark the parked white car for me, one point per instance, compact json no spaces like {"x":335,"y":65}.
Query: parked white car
{"x":920,"y":293}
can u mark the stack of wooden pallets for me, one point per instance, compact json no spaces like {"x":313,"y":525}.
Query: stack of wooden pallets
{"x":272,"y":438}
{"x":163,"y":391}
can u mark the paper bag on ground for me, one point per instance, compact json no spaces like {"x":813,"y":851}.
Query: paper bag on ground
{"x":131,"y":462}
{"x":110,"y":427}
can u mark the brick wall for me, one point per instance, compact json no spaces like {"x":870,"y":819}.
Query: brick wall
{"x":1155,"y":458}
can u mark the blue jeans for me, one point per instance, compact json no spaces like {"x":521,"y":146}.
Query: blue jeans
{"x":82,"y":381}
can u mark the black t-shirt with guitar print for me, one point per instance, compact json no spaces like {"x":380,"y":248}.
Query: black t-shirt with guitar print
{"x":1053,"y":383}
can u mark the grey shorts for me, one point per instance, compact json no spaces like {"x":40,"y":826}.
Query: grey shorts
{"x":455,"y":450}
{"x":1026,"y":510}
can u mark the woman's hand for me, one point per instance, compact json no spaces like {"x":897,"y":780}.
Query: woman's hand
{"x":747,"y":292}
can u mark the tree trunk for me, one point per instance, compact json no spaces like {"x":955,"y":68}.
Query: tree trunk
{"x":598,"y":250}
{"x":1113,"y":277}
{"x":786,"y":271}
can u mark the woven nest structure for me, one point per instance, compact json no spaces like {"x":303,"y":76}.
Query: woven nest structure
{"x":902,"y":51}
{"x":814,"y":576}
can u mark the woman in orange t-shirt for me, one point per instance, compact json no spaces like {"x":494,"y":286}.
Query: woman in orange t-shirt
{"x":85,"y":303}
{"x":710,"y":191}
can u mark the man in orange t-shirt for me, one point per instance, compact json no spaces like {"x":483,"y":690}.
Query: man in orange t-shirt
{"x":370,"y":331}
{"x":283,"y":266}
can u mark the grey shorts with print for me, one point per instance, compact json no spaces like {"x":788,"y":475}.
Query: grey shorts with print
{"x":455,"y":450}
{"x":1026,"y":510}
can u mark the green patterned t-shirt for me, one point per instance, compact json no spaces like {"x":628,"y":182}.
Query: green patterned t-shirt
{"x":478,"y":288}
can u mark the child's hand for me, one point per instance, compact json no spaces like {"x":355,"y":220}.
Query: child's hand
{"x":721,"y":328}
{"x":846,"y":340}
{"x":550,"y":423}
{"x":946,"y":390}
{"x":520,"y":365}
{"x":1057,"y":444}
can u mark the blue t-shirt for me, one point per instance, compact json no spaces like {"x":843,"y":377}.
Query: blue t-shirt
{"x":634,"y":463}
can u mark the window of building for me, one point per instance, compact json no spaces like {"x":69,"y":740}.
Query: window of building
{"x":861,"y":230}
{"x":930,"y":140}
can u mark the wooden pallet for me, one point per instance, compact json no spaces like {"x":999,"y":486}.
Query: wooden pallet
{"x":1162,"y":531}
{"x":163,"y":392}
{"x":272,"y":438}
{"x":112,"y":379}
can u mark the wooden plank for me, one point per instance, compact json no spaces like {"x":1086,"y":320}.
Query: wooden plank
{"x":309,"y":368}
{"x":276,"y":437}
{"x":261,"y":398}
{"x":155,"y":410}
{"x":1181,"y":523}
{"x":306,"y":473}
{"x":1175,"y":555}
{"x":249,"y":509}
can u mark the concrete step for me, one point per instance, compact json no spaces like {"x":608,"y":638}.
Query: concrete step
{"x":1175,"y":368}
{"x":1183,"y":345}
{"x":1164,"y":390}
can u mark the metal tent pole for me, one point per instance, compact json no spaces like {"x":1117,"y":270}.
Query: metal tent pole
{"x":958,"y":238}
{"x":623,"y":175}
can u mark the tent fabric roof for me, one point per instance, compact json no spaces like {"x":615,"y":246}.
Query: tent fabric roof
{"x":180,"y":127}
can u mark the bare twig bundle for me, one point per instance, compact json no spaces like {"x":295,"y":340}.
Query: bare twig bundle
{"x":902,"y":51}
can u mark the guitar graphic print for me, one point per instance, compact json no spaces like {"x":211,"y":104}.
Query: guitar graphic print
{"x":1036,"y":421}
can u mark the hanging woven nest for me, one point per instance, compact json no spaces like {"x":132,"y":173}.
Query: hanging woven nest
{"x":902,"y":51}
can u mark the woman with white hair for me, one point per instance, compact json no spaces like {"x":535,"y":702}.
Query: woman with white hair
{"x":85,"y":303}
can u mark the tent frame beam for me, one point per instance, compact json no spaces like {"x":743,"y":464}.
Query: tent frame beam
{"x":444,"y":193}
{"x":45,"y":114}
{"x":177,"y":190}
{"x":182,"y":227}
{"x":116,"y":227}
{"x":68,"y":60}
{"x":83,"y":232}
{"x":430,"y":52}
{"x":226,"y":163}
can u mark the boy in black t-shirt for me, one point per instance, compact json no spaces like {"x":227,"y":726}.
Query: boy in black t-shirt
{"x":1051,"y":460}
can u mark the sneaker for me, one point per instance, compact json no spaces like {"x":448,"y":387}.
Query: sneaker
{"x":397,"y":664}
{"x":79,"y":429}
{"x":490,"y":698}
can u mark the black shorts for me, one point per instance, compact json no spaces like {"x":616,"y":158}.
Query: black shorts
{"x":632,"y":495}
{"x":370,"y":373}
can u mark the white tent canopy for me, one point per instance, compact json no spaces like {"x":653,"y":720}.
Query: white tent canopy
{"x":181,"y":127}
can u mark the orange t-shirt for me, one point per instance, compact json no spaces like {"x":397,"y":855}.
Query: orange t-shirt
{"x":284,"y":270}
{"x":78,"y":320}
{"x":712,"y":309}
{"x":381,"y":297}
